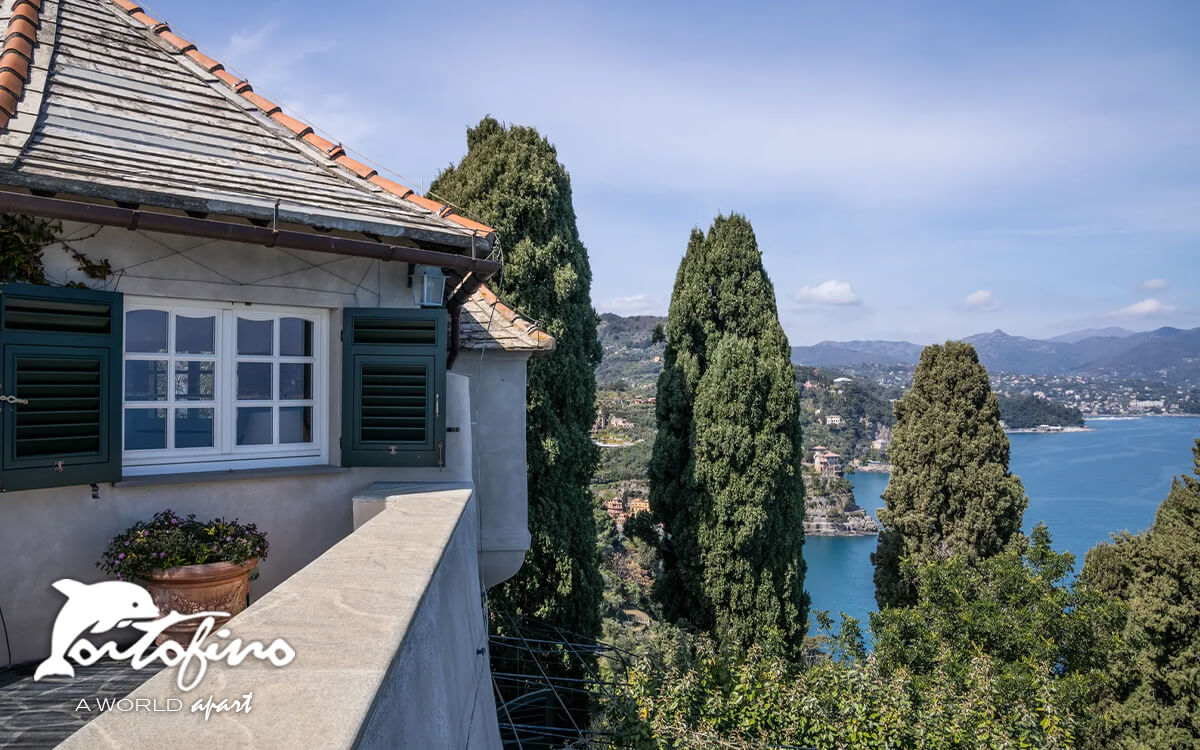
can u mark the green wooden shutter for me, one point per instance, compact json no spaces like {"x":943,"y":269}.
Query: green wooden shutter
{"x":60,"y":349}
{"x":393,"y":387}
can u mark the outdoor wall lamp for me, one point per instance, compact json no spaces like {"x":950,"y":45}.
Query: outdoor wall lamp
{"x":430,"y":287}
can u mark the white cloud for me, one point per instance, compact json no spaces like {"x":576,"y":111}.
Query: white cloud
{"x":1153,"y":285}
{"x":1147,"y":308}
{"x":636,"y":304}
{"x":830,"y":292}
{"x":981,"y":300}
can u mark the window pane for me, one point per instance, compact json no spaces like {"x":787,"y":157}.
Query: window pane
{"x":146,"y":331}
{"x":295,"y":381}
{"x":295,"y":337}
{"x":253,"y":380}
{"x":194,"y":335}
{"x":145,"y":380}
{"x":295,"y":424}
{"x":195,"y":381}
{"x":193,"y":428}
{"x":254,"y":425}
{"x":145,"y":429}
{"x":255,"y":336}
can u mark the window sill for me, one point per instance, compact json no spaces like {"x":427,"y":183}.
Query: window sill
{"x":226,"y":475}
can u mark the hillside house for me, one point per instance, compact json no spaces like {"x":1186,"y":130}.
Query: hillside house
{"x":826,"y":462}
{"x":282,"y":338}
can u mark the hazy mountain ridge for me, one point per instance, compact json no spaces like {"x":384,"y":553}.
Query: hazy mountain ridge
{"x":1170,"y":353}
{"x":1117,"y":353}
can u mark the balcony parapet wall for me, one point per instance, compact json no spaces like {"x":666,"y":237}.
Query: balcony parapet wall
{"x":390,"y":637}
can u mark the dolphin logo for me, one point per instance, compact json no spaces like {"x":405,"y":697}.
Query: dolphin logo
{"x":98,"y":606}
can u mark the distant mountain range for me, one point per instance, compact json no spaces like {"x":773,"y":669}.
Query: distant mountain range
{"x":1170,"y":353}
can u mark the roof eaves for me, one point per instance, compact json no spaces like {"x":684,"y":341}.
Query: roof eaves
{"x":332,"y":152}
{"x":541,"y":341}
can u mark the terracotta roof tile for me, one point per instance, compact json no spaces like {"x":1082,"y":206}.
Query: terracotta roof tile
{"x":262,"y":102}
{"x":20,"y":45}
{"x":469,"y":223}
{"x":11,"y":82}
{"x":20,"y":25}
{"x":291,"y":123}
{"x":357,"y":167}
{"x":317,"y":141}
{"x":127,"y":6}
{"x":391,"y":186}
{"x":8,"y":105}
{"x":14,"y":61}
{"x":424,"y":202}
{"x":27,"y":12}
{"x":204,"y":60}
{"x":227,"y":77}
{"x":176,"y":41}
{"x":19,"y":41}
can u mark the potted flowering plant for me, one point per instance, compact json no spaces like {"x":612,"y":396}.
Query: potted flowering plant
{"x":188,"y":565}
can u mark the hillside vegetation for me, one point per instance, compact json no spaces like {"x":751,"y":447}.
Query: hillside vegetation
{"x":1024,"y":412}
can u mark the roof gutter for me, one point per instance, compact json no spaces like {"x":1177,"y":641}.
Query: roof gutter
{"x":152,"y":221}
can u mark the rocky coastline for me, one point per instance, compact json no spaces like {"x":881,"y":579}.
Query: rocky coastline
{"x":830,"y":510}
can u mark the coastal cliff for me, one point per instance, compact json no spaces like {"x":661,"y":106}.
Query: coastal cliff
{"x":830,"y":510}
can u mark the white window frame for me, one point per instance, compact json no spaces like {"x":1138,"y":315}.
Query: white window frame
{"x":225,"y":453}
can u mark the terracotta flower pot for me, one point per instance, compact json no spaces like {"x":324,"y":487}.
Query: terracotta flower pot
{"x":212,"y":587}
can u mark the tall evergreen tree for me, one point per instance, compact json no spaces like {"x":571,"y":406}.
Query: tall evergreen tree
{"x":725,"y":475}
{"x":950,"y":491}
{"x":512,"y":180}
{"x":1157,"y":575}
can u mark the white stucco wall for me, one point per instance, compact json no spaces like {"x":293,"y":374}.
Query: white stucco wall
{"x":55,"y":533}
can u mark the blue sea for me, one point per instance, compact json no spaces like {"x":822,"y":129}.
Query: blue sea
{"x":1083,"y":485}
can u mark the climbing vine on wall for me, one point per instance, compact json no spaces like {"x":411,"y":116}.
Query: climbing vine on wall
{"x":23,"y":239}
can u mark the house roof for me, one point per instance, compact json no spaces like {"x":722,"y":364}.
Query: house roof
{"x":488,"y":323}
{"x":101,"y":100}
{"x":126,"y":97}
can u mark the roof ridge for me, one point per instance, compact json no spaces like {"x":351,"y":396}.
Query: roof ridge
{"x":525,"y":324}
{"x":335,"y":152}
{"x":16,"y":55}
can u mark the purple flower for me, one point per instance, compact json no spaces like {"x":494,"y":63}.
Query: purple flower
{"x":121,"y":556}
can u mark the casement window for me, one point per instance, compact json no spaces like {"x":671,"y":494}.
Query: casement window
{"x":60,"y":363}
{"x":209,"y":386}
{"x":394,"y":385}
{"x":98,"y":385}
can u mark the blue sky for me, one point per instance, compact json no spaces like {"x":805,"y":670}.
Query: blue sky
{"x":914,"y":170}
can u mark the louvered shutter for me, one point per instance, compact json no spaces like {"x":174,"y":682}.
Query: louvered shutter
{"x":61,"y":351}
{"x":394,"y":387}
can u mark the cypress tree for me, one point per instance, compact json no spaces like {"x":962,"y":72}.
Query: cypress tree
{"x":724,"y":475}
{"x":950,"y":491}
{"x":1157,"y":576}
{"x":512,"y":180}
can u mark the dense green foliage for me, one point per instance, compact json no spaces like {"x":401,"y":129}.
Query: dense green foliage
{"x":724,"y":474}
{"x":999,"y":654}
{"x":950,"y":491}
{"x":512,"y":180}
{"x":1157,"y":574}
{"x":1024,"y":412}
